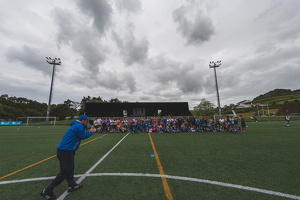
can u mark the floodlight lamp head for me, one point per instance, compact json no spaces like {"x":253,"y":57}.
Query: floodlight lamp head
{"x":211,"y":64}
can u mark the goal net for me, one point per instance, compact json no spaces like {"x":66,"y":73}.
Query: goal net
{"x":37,"y":121}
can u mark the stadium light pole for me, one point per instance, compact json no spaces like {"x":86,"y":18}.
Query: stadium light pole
{"x":54,"y":62}
{"x":214,"y":65}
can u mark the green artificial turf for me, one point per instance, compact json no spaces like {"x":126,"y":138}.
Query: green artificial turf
{"x":266,"y":157}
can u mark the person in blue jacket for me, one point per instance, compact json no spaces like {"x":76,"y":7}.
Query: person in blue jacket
{"x":66,"y":152}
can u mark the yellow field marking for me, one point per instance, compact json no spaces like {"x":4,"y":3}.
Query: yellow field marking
{"x":161,"y":171}
{"x":7,"y":175}
{"x":93,"y":139}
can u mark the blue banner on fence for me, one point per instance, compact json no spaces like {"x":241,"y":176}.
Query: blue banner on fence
{"x":11,"y":123}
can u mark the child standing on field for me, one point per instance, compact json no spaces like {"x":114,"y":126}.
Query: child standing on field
{"x":243,"y":123}
{"x":287,"y":120}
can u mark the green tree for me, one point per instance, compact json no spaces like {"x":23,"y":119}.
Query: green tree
{"x":82,"y":104}
{"x":68,"y":103}
{"x":205,"y":108}
{"x":90,"y":100}
{"x":115,"y":100}
{"x":59,"y":110}
{"x":63,"y":110}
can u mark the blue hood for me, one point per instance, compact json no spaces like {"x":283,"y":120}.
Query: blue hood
{"x":73,"y":136}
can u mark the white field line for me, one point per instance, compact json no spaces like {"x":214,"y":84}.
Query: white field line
{"x":33,"y":179}
{"x":241,"y":187}
{"x":92,"y":168}
{"x":270,"y":192}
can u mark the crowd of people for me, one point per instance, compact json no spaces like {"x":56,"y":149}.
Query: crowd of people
{"x":169,"y":124}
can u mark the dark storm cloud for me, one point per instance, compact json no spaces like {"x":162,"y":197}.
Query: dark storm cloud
{"x":196,"y":30}
{"x":82,"y":39}
{"x":88,"y":43}
{"x":91,"y":52}
{"x":257,"y":41}
{"x":100,"y":11}
{"x":129,"y":5}
{"x":98,"y":76}
{"x":65,"y":22}
{"x":186,"y":77}
{"x":112,"y":80}
{"x":29,"y":56}
{"x":132,"y":50}
{"x":129,"y":82}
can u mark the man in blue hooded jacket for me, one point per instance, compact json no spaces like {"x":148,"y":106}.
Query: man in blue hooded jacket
{"x":66,"y":153}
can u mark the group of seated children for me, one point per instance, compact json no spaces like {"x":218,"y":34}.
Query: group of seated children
{"x":168,"y":125}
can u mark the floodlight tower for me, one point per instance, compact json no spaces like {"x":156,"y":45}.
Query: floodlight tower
{"x":54,"y":62}
{"x":214,"y":65}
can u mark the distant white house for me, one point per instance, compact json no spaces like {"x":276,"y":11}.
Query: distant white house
{"x":244,"y":104}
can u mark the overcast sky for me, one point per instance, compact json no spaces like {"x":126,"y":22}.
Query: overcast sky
{"x":149,"y":50}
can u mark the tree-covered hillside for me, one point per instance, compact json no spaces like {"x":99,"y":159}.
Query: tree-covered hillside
{"x":278,"y":97}
{"x":13,"y":107}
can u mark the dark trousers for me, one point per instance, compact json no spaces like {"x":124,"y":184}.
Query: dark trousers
{"x":66,"y":161}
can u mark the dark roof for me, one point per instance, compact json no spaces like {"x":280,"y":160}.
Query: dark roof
{"x":287,"y":109}
{"x":137,"y":109}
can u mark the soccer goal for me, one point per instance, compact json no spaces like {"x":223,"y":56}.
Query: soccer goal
{"x":37,"y":121}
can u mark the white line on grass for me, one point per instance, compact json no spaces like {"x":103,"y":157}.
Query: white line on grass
{"x":241,"y":187}
{"x":92,"y":168}
{"x":270,"y":192}
{"x":33,"y":179}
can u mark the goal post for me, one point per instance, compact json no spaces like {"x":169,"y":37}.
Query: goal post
{"x":37,"y":121}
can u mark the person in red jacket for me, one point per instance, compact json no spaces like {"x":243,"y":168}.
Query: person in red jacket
{"x":66,"y":153}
